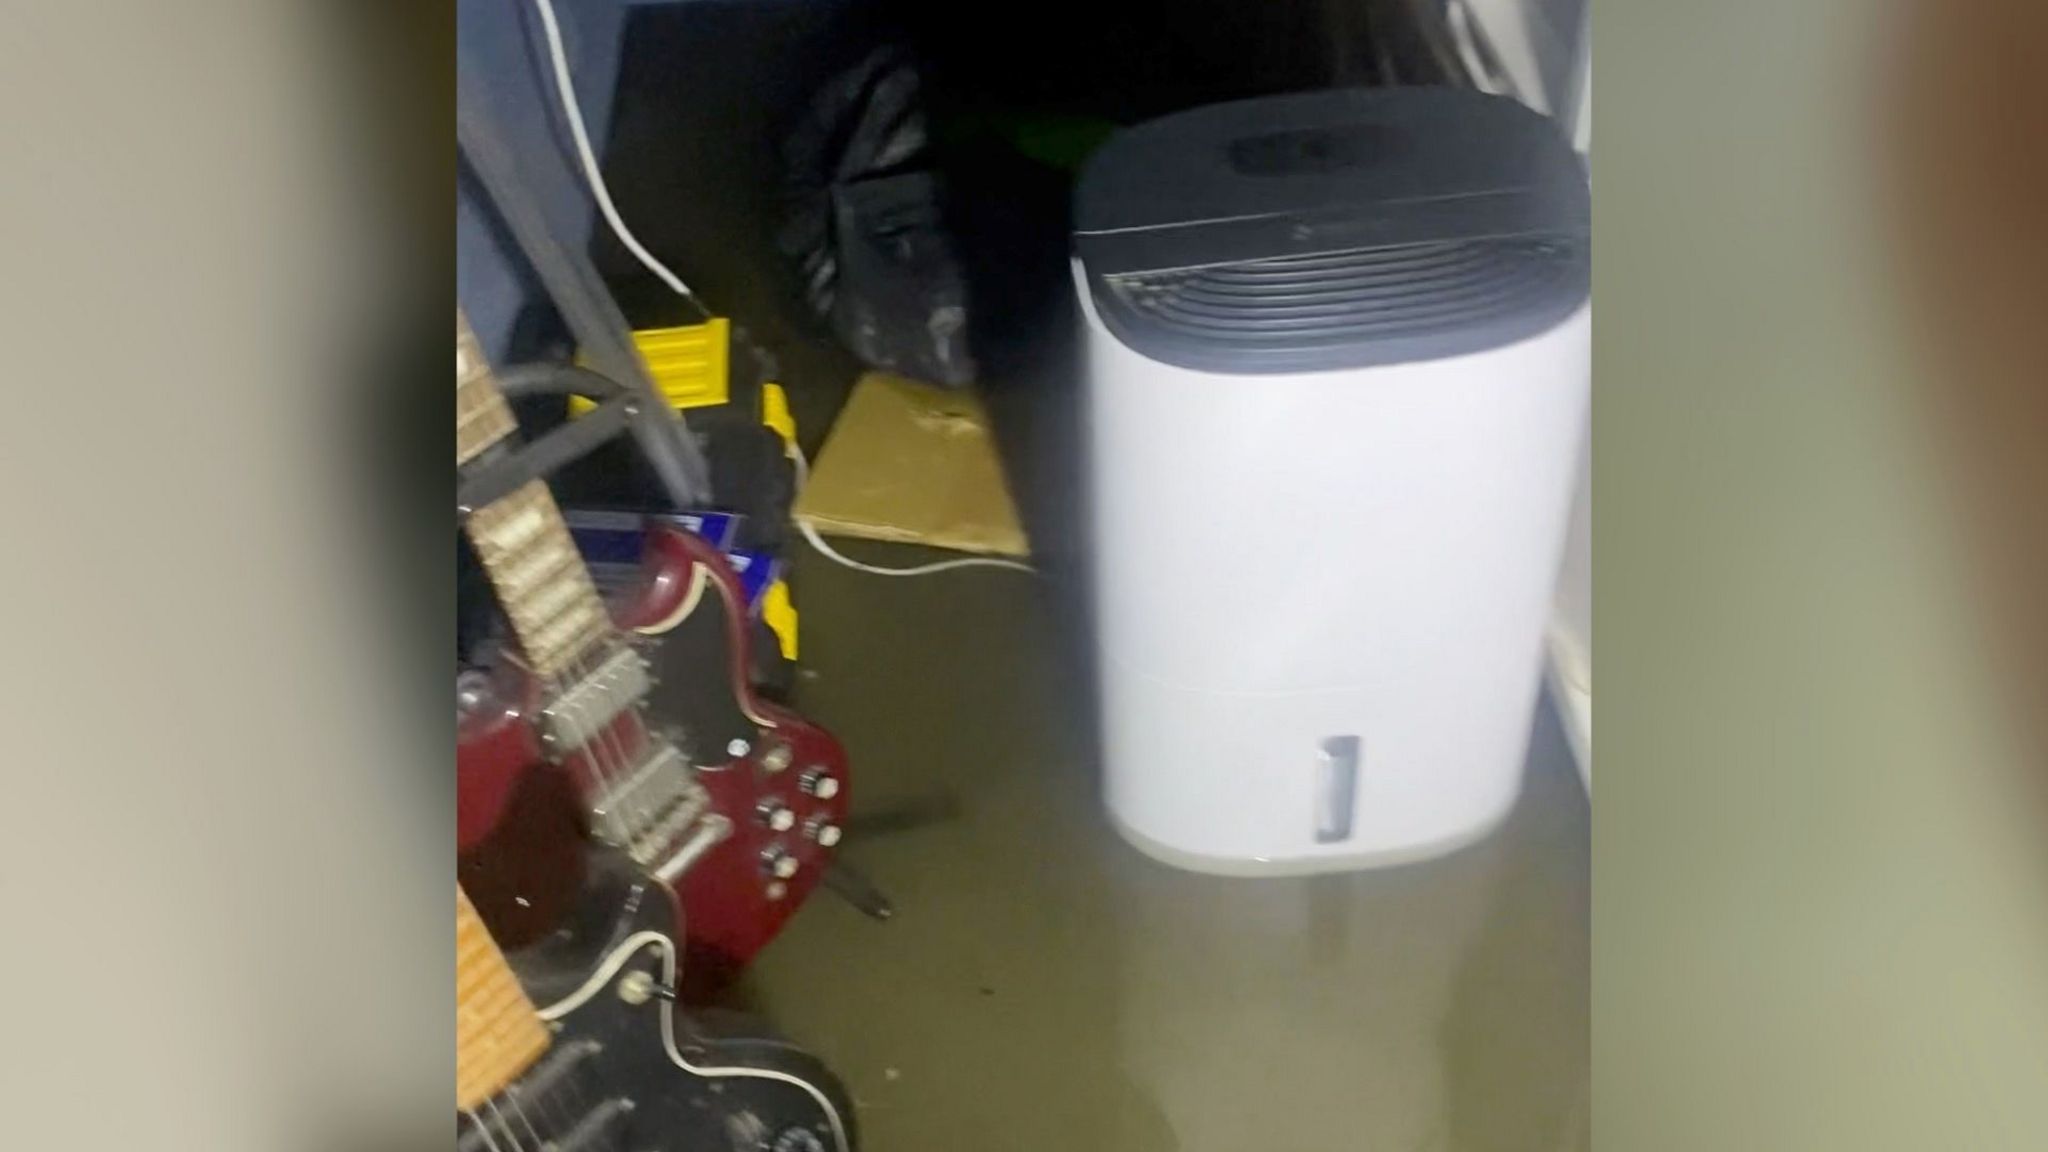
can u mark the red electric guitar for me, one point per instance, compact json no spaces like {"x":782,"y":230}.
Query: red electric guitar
{"x":730,"y":811}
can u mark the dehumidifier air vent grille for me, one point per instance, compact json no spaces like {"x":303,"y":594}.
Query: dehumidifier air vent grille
{"x":1413,"y":301}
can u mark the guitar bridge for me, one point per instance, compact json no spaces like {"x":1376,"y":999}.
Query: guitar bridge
{"x":654,"y":804}
{"x":585,"y":708}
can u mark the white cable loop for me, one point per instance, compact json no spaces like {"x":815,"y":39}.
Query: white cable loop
{"x":572,"y":110}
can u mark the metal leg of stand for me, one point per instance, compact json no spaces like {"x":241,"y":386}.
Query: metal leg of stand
{"x":575,"y":287}
{"x":857,"y":890}
{"x":905,"y":815}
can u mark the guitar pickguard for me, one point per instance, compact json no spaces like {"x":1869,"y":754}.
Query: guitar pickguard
{"x":762,"y":763}
{"x":689,"y":647}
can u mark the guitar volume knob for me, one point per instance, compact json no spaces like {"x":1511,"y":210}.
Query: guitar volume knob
{"x":820,"y":783}
{"x":776,"y":815}
{"x":779,"y":863}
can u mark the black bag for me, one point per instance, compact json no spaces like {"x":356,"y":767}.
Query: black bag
{"x":864,"y":224}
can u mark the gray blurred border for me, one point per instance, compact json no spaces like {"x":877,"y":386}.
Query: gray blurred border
{"x":1816,"y":924}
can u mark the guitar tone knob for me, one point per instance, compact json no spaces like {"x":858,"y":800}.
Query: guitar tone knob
{"x":820,"y":783}
{"x":824,"y":832}
{"x":779,"y":863}
{"x":776,"y":815}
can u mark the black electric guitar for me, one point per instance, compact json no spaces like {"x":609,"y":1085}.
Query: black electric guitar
{"x":617,"y":1067}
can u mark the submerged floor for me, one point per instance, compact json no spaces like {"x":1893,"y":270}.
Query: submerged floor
{"x":1045,"y":987}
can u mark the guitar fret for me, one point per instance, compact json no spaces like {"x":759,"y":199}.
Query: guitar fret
{"x":498,"y":1035}
{"x":561,"y":600}
{"x":482,"y":418}
{"x":549,"y":562}
{"x":540,"y":579}
{"x":556,"y":646}
{"x":525,"y":548}
{"x":521,"y":523}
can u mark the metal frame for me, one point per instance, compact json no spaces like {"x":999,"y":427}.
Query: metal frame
{"x":578,"y":292}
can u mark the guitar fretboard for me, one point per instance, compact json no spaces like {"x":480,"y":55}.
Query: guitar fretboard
{"x":540,"y":579}
{"x":497,"y":1033}
{"x":525,"y":548}
{"x":482,"y":417}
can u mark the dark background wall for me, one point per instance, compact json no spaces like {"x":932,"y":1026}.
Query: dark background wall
{"x":689,"y":101}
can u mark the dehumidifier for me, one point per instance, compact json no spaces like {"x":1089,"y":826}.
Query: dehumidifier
{"x":1338,"y":369}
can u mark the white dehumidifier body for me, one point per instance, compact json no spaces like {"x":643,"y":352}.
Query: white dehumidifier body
{"x":1337,"y":354}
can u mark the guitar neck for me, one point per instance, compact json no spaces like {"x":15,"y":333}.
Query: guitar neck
{"x":521,"y":540}
{"x":498,"y":1035}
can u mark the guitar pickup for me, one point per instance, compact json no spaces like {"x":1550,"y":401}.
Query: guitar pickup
{"x":655,"y":802}
{"x":585,"y":708}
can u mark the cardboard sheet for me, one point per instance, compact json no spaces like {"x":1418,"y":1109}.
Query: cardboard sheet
{"x":915,"y":464}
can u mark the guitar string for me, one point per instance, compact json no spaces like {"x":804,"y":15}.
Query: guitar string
{"x":511,"y":1095}
{"x":615,"y":743}
{"x":482,"y":1128}
{"x":505,"y":1126}
{"x":511,"y":1136}
{"x":611,"y":745}
{"x":552,"y":682}
{"x":607,"y":759}
{"x":553,"y":1111}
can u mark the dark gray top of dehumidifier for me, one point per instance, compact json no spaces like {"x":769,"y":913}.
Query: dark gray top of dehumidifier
{"x":1335,"y":229}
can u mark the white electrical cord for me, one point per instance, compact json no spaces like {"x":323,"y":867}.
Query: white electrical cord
{"x":803,"y":475}
{"x":572,"y":111}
